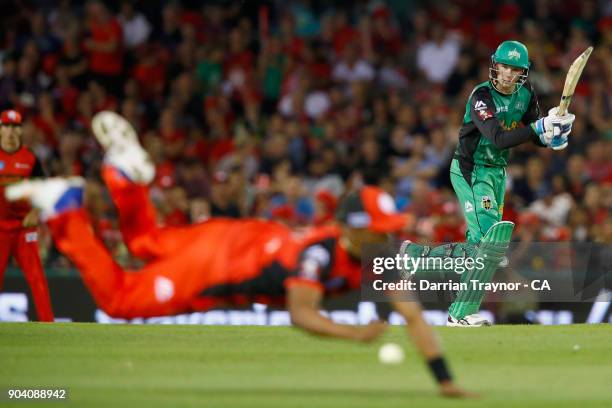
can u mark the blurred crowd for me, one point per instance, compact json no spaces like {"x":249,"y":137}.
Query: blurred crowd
{"x":276,"y":109}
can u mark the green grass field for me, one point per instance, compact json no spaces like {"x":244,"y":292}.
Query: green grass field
{"x":211,"y":366}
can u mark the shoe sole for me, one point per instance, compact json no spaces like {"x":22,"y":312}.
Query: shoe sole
{"x":112,"y":129}
{"x":115,"y":134}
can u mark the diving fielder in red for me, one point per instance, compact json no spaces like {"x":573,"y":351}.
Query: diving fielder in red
{"x":220,"y":261}
{"x":18,"y":221}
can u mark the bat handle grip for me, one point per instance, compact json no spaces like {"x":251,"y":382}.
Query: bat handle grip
{"x":562,"y":110}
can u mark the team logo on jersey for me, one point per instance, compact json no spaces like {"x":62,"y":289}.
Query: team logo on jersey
{"x":483,"y":110}
{"x":22,"y":166}
{"x":484,"y":114}
{"x":480,"y":105}
{"x":519,"y":106}
{"x":164,"y":289}
{"x":486,"y":203}
{"x":514,"y":54}
{"x":1,"y":165}
{"x":468,"y":207}
{"x":272,"y":246}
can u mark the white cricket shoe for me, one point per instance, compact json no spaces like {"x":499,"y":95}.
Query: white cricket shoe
{"x":123,"y":150}
{"x":110,"y":128}
{"x":51,"y":196}
{"x":473,"y":320}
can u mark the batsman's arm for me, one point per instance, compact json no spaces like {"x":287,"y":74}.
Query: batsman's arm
{"x":427,"y":344}
{"x":482,"y":113}
{"x":303,"y":302}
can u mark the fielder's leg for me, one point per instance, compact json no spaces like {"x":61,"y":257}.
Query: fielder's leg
{"x":138,"y":219}
{"x":127,"y":171}
{"x":7,"y":243}
{"x":163,"y":287}
{"x":137,"y":216}
{"x":28,"y":258}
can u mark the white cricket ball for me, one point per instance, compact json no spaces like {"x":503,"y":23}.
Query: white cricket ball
{"x":391,"y":353}
{"x":576,"y":347}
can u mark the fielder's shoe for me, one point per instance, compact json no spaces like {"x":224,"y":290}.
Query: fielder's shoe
{"x":51,"y":196}
{"x":473,"y":320}
{"x":123,"y":150}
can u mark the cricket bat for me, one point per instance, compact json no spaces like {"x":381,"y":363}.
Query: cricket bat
{"x":571,"y":80}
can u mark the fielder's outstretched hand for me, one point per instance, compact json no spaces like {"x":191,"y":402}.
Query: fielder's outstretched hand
{"x":370,"y":332}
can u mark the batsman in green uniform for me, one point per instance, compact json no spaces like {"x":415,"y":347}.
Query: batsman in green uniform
{"x":500,"y":113}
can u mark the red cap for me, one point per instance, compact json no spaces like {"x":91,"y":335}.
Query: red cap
{"x":10,"y":117}
{"x":371,"y":208}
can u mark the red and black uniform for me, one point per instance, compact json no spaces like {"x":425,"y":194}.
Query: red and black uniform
{"x":16,"y":240}
{"x":197,"y":267}
{"x":312,"y":257}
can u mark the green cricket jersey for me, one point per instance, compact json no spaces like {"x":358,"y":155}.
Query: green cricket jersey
{"x":494,"y":122}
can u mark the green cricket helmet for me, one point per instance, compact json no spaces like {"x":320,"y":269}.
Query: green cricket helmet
{"x":511,"y":53}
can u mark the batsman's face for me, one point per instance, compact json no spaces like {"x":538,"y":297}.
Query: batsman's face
{"x":508,"y":76}
{"x":10,"y":138}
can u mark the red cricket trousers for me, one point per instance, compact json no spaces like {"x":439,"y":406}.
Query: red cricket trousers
{"x":22,"y":244}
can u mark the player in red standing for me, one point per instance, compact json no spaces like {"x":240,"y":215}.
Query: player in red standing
{"x":18,"y":220}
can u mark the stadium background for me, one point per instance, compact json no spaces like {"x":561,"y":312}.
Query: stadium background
{"x":276,"y":109}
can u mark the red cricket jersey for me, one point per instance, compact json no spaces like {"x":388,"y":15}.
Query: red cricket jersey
{"x":264,"y":258}
{"x":13,"y":168}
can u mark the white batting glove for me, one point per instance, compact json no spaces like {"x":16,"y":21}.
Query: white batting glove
{"x":560,"y":143}
{"x":553,"y":130}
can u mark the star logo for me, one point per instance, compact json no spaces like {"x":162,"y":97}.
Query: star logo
{"x":514,"y":54}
